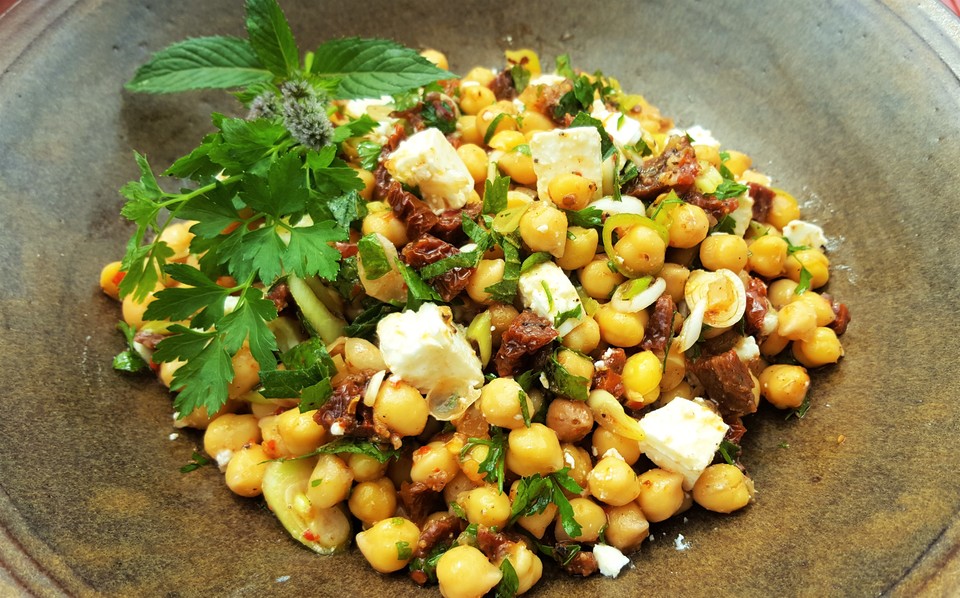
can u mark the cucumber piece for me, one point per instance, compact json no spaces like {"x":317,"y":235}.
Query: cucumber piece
{"x":327,"y":326}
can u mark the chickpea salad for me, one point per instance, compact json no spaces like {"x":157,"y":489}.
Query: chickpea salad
{"x":479,"y":324}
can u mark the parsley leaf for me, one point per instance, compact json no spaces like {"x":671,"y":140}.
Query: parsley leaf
{"x":129,"y":360}
{"x":509,"y":582}
{"x":369,"y":154}
{"x":563,"y":67}
{"x":505,"y":290}
{"x":729,"y":451}
{"x":536,"y":492}
{"x":357,"y":446}
{"x":495,"y":194}
{"x":197,"y":460}
{"x":493,"y":467}
{"x":725,"y":225}
{"x":565,"y":384}
{"x":729,"y":188}
{"x":588,"y":217}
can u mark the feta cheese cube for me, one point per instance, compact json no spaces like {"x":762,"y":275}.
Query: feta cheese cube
{"x":547,"y":291}
{"x":425,"y":348}
{"x":699,"y":135}
{"x":623,"y":130}
{"x":683,"y":436}
{"x":427,"y":160}
{"x":747,"y":349}
{"x":610,"y":560}
{"x":800,"y":232}
{"x":563,"y":151}
{"x":742,"y":215}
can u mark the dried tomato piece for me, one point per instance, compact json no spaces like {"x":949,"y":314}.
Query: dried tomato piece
{"x":428,"y":249}
{"x":608,"y":373}
{"x":727,"y":381}
{"x":346,"y":409}
{"x":660,"y":325}
{"x":676,"y":168}
{"x":526,"y":335}
{"x":415,"y":214}
{"x":757,"y":307}
{"x":762,"y":197}
{"x":718,"y":208}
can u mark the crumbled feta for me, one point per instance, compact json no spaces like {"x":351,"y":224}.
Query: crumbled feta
{"x":681,"y":543}
{"x":548,"y":79}
{"x":223,"y":458}
{"x":771,"y":321}
{"x":337,"y":429}
{"x":547,"y":291}
{"x":742,"y":215}
{"x":699,"y":135}
{"x":800,"y":232}
{"x":427,"y":160}
{"x":562,"y":151}
{"x":357,"y":108}
{"x":609,"y":559}
{"x":623,"y":130}
{"x":747,"y":349}
{"x":425,"y":347}
{"x":683,"y":437}
{"x":173,"y":436}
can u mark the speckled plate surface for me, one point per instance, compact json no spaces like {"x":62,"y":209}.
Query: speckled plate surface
{"x":854,"y":106}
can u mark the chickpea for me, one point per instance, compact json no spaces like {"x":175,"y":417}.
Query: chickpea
{"x":301,"y":434}
{"x":767,"y":256}
{"x":604,"y":440}
{"x":675,"y":368}
{"x":481,"y":75}
{"x":580,"y":464}
{"x":436,"y":57}
{"x":501,"y":316}
{"x":465,"y":572}
{"x":783,"y":209}
{"x":487,"y":115}
{"x":469,"y":133}
{"x":533,"y":121}
{"x":533,"y":450}
{"x":796,"y":321}
{"x":642,"y":373}
{"x":784,"y":386}
{"x":475,"y":159}
{"x":167,"y":371}
{"x":676,"y":277}
{"x":110,"y":278}
{"x":821,"y":348}
{"x":613,"y":482}
{"x":389,"y":544}
{"x":434,"y":465}
{"x":773,"y":344}
{"x":244,"y":475}
{"x":575,"y":363}
{"x":584,"y":338}
{"x":689,"y":226}
{"x":360,"y":354}
{"x":707,"y":153}
{"x":401,"y":408}
{"x":330,"y":482}
{"x":518,"y":166}
{"x":544,"y":228}
{"x":368,"y":182}
{"x":365,"y":468}
{"x":133,"y":310}
{"x":661,"y":494}
{"x":246,"y":373}
{"x":486,"y":506}
{"x":591,"y":518}
{"x":627,"y":528}
{"x":500,"y":403}
{"x":457,"y":487}
{"x":579,"y":248}
{"x":474,"y":98}
{"x":821,"y":307}
{"x":620,"y":329}
{"x":507,"y":140}
{"x":737,"y":162}
{"x":373,"y":501}
{"x":814,"y":261}
{"x":230,"y":432}
{"x":723,"y":488}
{"x":387,"y":224}
{"x":723,"y":251}
{"x":599,"y":280}
{"x":526,"y":564}
{"x":178,"y":237}
{"x":486,"y":274}
{"x":641,"y":250}
{"x":571,"y":191}
{"x":781,"y":292}
{"x":571,"y":420}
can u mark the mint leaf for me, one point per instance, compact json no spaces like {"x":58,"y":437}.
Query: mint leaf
{"x":370,"y":68}
{"x":495,"y":194}
{"x":271,"y":38}
{"x":588,"y":217}
{"x":564,"y":383}
{"x":373,"y":257}
{"x":216,"y":62}
{"x":535,"y":259}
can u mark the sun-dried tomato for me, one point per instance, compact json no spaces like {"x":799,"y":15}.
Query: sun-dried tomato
{"x":428,"y":249}
{"x":660,"y":325}
{"x":608,"y":373}
{"x":676,"y":168}
{"x":525,"y":336}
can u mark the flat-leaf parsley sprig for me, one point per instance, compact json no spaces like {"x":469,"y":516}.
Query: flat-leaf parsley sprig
{"x":271,"y":194}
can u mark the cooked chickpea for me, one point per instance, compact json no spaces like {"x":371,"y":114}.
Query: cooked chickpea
{"x":389,"y":545}
{"x":768,"y":255}
{"x":723,"y":251}
{"x":781,"y":292}
{"x":360,"y":354}
{"x":133,"y":310}
{"x":301,"y":434}
{"x":599,"y":280}
{"x":579,"y":248}
{"x":434,"y":465}
{"x":486,"y":116}
{"x":507,"y":140}
{"x":627,"y":528}
{"x":272,"y":441}
{"x":244,"y":475}
{"x":401,"y":408}
{"x":369,"y":183}
{"x":784,"y":386}
{"x":584,"y":338}
{"x":620,"y":329}
{"x":533,"y":121}
{"x":822,"y":347}
{"x":178,"y":237}
{"x":689,"y":226}
{"x":773,"y":344}
{"x":475,"y":159}
{"x":641,"y":250}
{"x":501,"y":316}
{"x":385,"y":222}
{"x":230,"y":432}
{"x":486,"y":506}
{"x":723,"y":488}
{"x":486,"y":274}
{"x":642,"y":373}
{"x":821,"y":306}
{"x":167,"y":370}
{"x":814,"y":261}
{"x":737,"y":162}
{"x":796,"y":321}
{"x":783,"y":209}
{"x":246,"y":373}
{"x":518,"y":166}
{"x":436,"y":57}
{"x":604,"y":440}
{"x":330,"y":482}
{"x":480,"y":74}
{"x":571,"y":420}
{"x":526,"y":564}
{"x":465,"y":572}
{"x":613,"y":482}
{"x":579,"y":462}
{"x":500,"y":403}
{"x":571,"y":191}
{"x":676,"y":277}
{"x":533,"y":450}
{"x":458,"y":486}
{"x":469,"y":133}
{"x":373,"y":501}
{"x":589,"y":515}
{"x":575,"y":363}
{"x":365,"y":468}
{"x":474,"y":98}
{"x":544,"y":228}
{"x":661,"y":494}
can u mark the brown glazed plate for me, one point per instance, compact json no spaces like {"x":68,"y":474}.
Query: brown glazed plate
{"x":853,"y":106}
